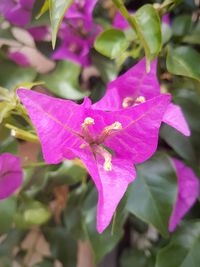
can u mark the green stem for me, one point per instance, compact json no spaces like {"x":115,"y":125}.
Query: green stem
{"x":21,"y":134}
{"x":35,"y":164}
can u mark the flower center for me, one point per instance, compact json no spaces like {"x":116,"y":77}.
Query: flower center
{"x":131,"y":101}
{"x":96,"y":143}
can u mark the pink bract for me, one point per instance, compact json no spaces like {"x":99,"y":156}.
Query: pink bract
{"x":10,"y":174}
{"x":136,"y":86}
{"x":68,"y":130}
{"x":188,"y":192}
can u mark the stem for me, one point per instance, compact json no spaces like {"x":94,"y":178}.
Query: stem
{"x":120,"y":5}
{"x":21,"y":134}
{"x":35,"y":164}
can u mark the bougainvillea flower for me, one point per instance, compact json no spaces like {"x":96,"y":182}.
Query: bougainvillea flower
{"x":119,"y":22}
{"x":166,"y":19}
{"x":19,"y":58}
{"x":77,"y":33}
{"x":136,"y":86}
{"x":17,"y":12}
{"x":10,"y":174}
{"x":81,"y":9}
{"x":188,"y":192}
{"x":108,"y":143}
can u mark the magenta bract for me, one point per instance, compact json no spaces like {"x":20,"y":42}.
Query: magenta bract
{"x":10,"y":174}
{"x":17,"y":13}
{"x":77,"y":33}
{"x":136,"y":86}
{"x":109,"y":143}
{"x":188,"y":192}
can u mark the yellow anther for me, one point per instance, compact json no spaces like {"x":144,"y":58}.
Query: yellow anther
{"x":116,"y":125}
{"x":88,"y":121}
{"x":107,"y":164}
{"x":127,"y":102}
{"x":140,"y":99}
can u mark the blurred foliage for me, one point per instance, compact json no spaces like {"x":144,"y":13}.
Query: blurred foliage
{"x":58,"y":202}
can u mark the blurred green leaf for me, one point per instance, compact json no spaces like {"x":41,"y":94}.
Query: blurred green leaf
{"x":152,"y":195}
{"x":57,"y":10}
{"x":32,"y":213}
{"x":148,"y":27}
{"x":181,"y":144}
{"x":182,"y":25}
{"x":44,"y":9}
{"x":111,"y":43}
{"x":63,"y":246}
{"x":11,"y":74}
{"x":63,"y":81}
{"x":166,"y":33}
{"x":193,"y":36}
{"x":5,"y":109}
{"x":10,"y":145}
{"x":7,"y":212}
{"x":106,"y":67}
{"x":184,"y":61}
{"x":68,"y":173}
{"x":135,"y":258}
{"x":44,"y":263}
{"x":183,"y":249}
{"x":103,"y":243}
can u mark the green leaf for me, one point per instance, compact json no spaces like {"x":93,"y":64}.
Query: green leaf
{"x":183,"y":249}
{"x":32,"y":213}
{"x":63,"y":81}
{"x":5,"y":109}
{"x":103,"y":243}
{"x":68,"y":173}
{"x":57,"y":10}
{"x":106,"y":67}
{"x":148,"y":27}
{"x":152,"y":195}
{"x":111,"y":43}
{"x":63,"y":246}
{"x":180,"y":143}
{"x":184,"y":61}
{"x":137,"y":257}
{"x":44,"y":9}
{"x":182,"y":25}
{"x":10,"y":145}
{"x":7,"y":212}
{"x":11,"y":75}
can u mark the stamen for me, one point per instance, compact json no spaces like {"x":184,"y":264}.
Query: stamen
{"x":86,"y":133}
{"x":108,"y":164}
{"x":108,"y":130}
{"x":139,"y":100}
{"x":115,"y":126}
{"x":88,"y":121}
{"x":127,"y":102}
{"x":106,"y":155}
{"x":130,"y":101}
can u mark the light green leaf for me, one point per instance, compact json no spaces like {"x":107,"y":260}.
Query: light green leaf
{"x":111,"y":43}
{"x":57,"y":10}
{"x":152,"y":195}
{"x":11,"y":74}
{"x":5,"y":109}
{"x":44,"y":9}
{"x":183,"y":249}
{"x":184,"y":61}
{"x":7,"y":212}
{"x":148,"y":27}
{"x":63,"y":81}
